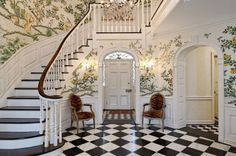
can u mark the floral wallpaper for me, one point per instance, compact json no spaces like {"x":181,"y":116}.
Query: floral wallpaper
{"x":159,"y":78}
{"x":25,"y":21}
{"x":84,"y":77}
{"x":228,"y":43}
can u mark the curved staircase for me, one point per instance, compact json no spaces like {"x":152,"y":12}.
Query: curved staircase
{"x":31,"y":123}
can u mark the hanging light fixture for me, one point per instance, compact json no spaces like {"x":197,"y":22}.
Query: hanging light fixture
{"x":118,"y":9}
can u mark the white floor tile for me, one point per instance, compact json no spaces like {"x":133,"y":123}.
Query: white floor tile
{"x":154,"y":147}
{"x":169,"y":138}
{"x":176,"y":147}
{"x":189,"y":138}
{"x":109,"y":146}
{"x":131,"y":146}
{"x":199,"y":147}
{"x":220,"y":146}
{"x":87,"y":146}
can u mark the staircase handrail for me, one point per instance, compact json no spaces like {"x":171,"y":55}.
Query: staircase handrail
{"x":53,"y":59}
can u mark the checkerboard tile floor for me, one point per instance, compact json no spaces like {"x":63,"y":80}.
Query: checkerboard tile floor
{"x":133,"y":140}
{"x":118,"y":114}
{"x":206,"y":128}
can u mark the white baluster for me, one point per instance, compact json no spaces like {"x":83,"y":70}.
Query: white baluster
{"x":60,"y":124}
{"x":41,"y":116}
{"x":46,"y":125}
{"x":51,"y":121}
{"x":55,"y":134}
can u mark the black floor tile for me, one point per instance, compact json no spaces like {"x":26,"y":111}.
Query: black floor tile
{"x":162,"y":142}
{"x":139,"y":134}
{"x":176,"y":134}
{"x":183,"y":142}
{"x":233,"y":150}
{"x":141,"y":142}
{"x":143,"y":151}
{"x":101,"y":134}
{"x":169,"y":152}
{"x":120,"y":142}
{"x":215,"y":151}
{"x":79,"y":142}
{"x":192,"y":152}
{"x":99,"y":142}
{"x":120,"y":128}
{"x":120,"y":151}
{"x":157,"y":134}
{"x":73,"y":151}
{"x":65,"y":134}
{"x":204,"y":142}
{"x":83,"y":134}
{"x":96,"y":151}
{"x":120,"y":134}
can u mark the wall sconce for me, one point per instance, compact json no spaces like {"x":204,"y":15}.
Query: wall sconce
{"x":89,"y":65}
{"x":148,"y":65}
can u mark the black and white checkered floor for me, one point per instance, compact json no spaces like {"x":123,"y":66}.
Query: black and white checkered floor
{"x":132,"y":140}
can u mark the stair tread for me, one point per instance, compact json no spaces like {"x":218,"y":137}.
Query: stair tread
{"x":30,"y":80}
{"x":31,"y":151}
{"x":26,"y":88}
{"x":23,"y":97}
{"x":18,"y":135}
{"x":26,"y":108}
{"x":19,"y":120}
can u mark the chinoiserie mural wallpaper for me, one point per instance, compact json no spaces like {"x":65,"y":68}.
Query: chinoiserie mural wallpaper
{"x":228,"y":45}
{"x":159,"y":76}
{"x":84,"y":78}
{"x":25,"y":21}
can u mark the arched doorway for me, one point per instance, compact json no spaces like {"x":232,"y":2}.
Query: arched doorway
{"x":179,"y":96}
{"x":106,"y":55}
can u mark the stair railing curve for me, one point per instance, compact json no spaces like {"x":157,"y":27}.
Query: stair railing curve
{"x":50,"y":79}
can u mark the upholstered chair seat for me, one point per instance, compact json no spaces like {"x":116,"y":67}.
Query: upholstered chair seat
{"x":156,"y":110}
{"x":77,"y":113}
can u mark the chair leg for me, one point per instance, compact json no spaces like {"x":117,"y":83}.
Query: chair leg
{"x":142,"y":121}
{"x":83,"y":123}
{"x":94,"y":123}
{"x":162,"y":125}
{"x":77,"y":126}
{"x":149,"y":122}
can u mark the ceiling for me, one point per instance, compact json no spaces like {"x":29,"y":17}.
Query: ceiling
{"x":189,"y":13}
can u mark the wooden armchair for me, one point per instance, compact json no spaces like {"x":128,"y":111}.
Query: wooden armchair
{"x":156,"y":110}
{"x":77,"y":113}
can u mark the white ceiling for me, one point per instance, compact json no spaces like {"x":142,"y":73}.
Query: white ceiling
{"x":190,"y":13}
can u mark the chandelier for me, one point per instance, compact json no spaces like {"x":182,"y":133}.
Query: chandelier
{"x":118,"y":10}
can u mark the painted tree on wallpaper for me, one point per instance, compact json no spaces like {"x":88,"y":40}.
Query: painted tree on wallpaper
{"x":159,"y":78}
{"x":25,"y":21}
{"x":84,"y":77}
{"x":228,"y":43}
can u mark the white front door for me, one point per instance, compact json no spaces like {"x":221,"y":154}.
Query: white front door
{"x":118,"y":84}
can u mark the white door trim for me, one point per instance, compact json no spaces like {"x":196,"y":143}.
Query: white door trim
{"x":179,"y":93}
{"x":136,"y":83}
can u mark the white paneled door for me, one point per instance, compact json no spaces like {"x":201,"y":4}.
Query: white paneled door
{"x":118,"y":84}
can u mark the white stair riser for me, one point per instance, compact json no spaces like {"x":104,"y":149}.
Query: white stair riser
{"x":26,"y":92}
{"x":23,"y":102}
{"x":29,"y":84}
{"x":19,"y":114}
{"x":21,"y":143}
{"x":28,"y":127}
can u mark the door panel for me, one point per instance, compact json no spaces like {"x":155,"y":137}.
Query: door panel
{"x":117,"y":85}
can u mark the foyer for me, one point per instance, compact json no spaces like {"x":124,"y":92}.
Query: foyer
{"x":115,"y":55}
